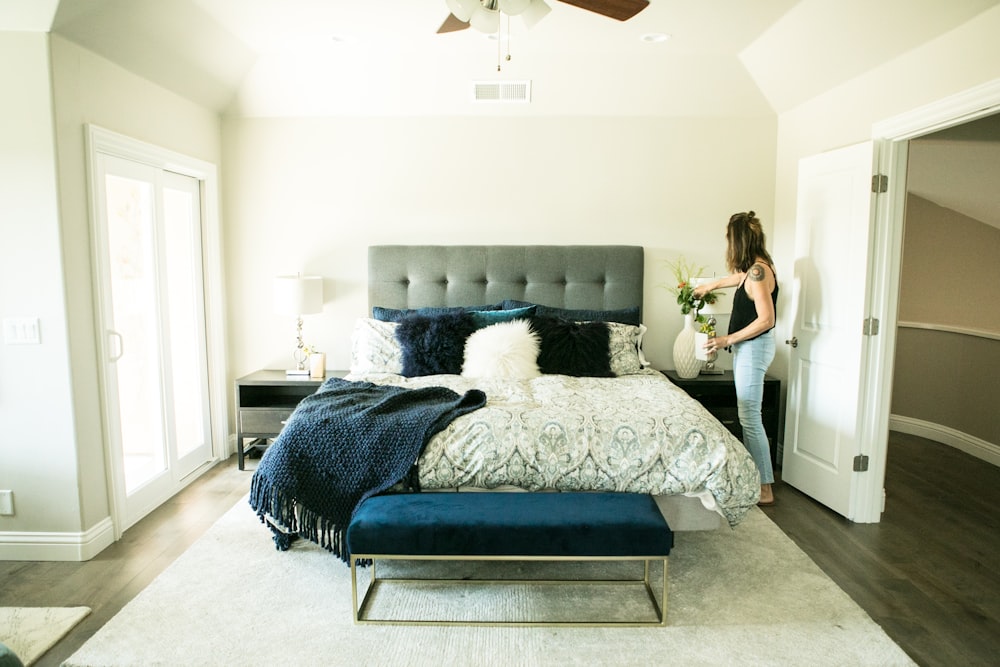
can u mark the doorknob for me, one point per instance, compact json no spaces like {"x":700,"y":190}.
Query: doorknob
{"x":794,"y":342}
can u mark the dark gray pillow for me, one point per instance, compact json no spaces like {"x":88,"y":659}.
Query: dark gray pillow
{"x":383,"y":314}
{"x":581,"y":349}
{"x":621,"y":315}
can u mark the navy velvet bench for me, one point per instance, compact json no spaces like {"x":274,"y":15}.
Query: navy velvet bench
{"x":488,"y":526}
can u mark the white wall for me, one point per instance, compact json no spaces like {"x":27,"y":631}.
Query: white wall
{"x":53,"y":448}
{"x":90,"y":89}
{"x":38,"y":460}
{"x":954,"y":62}
{"x":311,"y":195}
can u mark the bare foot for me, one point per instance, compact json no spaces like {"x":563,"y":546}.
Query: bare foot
{"x":766,"y":495}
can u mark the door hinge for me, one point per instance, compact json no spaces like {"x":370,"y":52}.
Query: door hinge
{"x":860,"y":463}
{"x":870,"y":327}
{"x":880,"y":183}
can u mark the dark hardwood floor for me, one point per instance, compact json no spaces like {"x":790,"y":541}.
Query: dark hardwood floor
{"x":929,"y":573}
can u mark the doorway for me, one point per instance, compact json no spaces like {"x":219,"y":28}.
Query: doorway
{"x":160,"y":419}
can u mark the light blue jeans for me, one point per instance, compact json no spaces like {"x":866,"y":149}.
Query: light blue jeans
{"x":751,"y":359}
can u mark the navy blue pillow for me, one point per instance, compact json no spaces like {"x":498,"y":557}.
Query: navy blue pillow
{"x":434,"y":345}
{"x":621,"y":315}
{"x":581,"y":349}
{"x":396,"y":314}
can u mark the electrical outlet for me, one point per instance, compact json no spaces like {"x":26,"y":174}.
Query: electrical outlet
{"x":6,"y":503}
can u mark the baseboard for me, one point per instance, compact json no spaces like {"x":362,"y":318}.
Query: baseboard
{"x":981,"y":449}
{"x":57,"y":546}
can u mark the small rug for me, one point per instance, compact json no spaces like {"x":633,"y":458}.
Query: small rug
{"x":31,"y":631}
{"x":743,"y":596}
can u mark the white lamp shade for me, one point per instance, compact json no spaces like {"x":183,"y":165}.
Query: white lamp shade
{"x":485,"y":20}
{"x":716,"y":308}
{"x":534,"y":13}
{"x":462,"y":9}
{"x":298,"y":295}
{"x":513,"y":7}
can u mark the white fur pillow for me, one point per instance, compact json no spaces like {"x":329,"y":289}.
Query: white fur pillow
{"x":503,"y":350}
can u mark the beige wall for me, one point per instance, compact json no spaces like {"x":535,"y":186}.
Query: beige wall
{"x":38,"y":461}
{"x":311,"y":195}
{"x":52,"y":450}
{"x":950,"y":269}
{"x":947,"y":283}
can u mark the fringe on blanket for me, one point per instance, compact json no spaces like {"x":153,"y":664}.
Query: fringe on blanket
{"x":287,"y":520}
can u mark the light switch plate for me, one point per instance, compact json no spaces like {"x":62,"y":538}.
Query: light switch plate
{"x":21,"y":331}
{"x":6,"y":503}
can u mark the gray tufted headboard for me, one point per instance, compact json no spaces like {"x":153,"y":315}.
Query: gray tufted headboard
{"x":576,"y":276}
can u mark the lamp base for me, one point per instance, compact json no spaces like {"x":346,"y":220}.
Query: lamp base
{"x":711,"y":371}
{"x":304,"y":372}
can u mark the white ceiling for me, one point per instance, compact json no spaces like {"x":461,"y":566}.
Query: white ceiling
{"x":383,"y":57}
{"x":283,"y":57}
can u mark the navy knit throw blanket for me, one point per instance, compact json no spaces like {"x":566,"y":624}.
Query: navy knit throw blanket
{"x":343,"y":444}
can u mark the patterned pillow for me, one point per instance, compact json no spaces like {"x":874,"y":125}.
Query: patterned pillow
{"x":502,"y":350}
{"x":374,"y":348}
{"x":624,"y":344}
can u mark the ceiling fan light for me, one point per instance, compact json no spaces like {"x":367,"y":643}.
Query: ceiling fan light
{"x":513,"y":7}
{"x":485,"y":20}
{"x":462,"y":9}
{"x":535,"y":12}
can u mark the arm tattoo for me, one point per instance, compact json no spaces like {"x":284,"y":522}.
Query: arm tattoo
{"x":757,"y":273}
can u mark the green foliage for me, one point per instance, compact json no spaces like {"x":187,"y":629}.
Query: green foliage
{"x":684,"y":291}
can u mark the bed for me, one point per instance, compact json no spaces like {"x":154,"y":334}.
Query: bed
{"x":591,"y":417}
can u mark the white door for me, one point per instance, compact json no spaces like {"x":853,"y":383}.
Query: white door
{"x":155,"y":378}
{"x":824,"y":411}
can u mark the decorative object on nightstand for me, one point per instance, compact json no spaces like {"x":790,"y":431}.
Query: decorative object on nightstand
{"x":706,"y":330}
{"x":686,"y":360}
{"x":298,"y":295}
{"x":264,"y":401}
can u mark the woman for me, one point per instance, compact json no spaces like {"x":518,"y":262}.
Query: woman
{"x":750,"y":335}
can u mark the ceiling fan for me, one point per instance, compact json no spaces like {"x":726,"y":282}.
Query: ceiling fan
{"x":484,"y":15}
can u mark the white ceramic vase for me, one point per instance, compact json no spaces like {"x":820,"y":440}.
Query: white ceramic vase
{"x":686,"y":364}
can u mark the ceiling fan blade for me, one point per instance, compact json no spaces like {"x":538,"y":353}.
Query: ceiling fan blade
{"x":452,"y":24}
{"x":621,"y":10}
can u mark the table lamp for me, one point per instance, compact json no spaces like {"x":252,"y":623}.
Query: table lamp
{"x":298,"y":295}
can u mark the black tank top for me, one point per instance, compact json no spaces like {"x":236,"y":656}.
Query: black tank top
{"x":744,"y":310}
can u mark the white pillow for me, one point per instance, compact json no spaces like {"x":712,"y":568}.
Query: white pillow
{"x":374,"y":348}
{"x":503,"y":350}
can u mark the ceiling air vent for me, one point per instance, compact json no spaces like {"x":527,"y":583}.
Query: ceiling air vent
{"x":501,"y":91}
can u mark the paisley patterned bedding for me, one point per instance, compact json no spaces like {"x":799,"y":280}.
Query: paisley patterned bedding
{"x":636,"y":433}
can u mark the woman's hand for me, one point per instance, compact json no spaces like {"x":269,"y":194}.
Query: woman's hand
{"x":715,"y":344}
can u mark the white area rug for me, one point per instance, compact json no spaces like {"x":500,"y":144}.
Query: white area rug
{"x":31,"y":631}
{"x":747,"y":596}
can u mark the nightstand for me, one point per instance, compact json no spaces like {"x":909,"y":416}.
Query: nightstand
{"x":718,"y":394}
{"x":264,"y":401}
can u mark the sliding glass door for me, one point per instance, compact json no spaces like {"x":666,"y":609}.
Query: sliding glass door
{"x":156,"y":391}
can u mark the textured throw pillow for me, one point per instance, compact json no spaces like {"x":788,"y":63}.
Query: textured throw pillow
{"x":396,"y":314}
{"x":503,"y":350}
{"x":573,"y":348}
{"x":374,"y":348}
{"x":624,"y":340}
{"x":434,"y":345}
{"x":621,"y":315}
